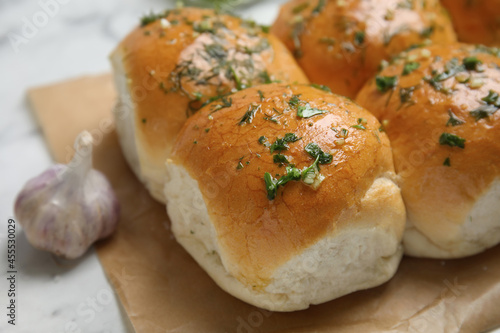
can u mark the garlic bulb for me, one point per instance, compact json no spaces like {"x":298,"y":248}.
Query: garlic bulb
{"x":68,"y":207}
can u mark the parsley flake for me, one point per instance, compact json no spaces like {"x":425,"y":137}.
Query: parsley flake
{"x":452,"y":140}
{"x":249,"y":115}
{"x":385,"y":83}
{"x":454,"y":120}
{"x":315,"y":151}
{"x":282,"y":143}
{"x":410,"y":67}
{"x":492,"y":105}
{"x":307,"y":111}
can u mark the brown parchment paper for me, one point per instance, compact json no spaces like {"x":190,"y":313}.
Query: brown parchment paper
{"x":164,"y":290}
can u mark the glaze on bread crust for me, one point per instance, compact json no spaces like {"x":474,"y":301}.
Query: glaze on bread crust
{"x":442,"y":120}
{"x":341,"y":43}
{"x":475,"y":21}
{"x":174,"y":63}
{"x":285,"y":247}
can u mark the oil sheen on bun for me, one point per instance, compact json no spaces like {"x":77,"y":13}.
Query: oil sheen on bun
{"x":341,"y":43}
{"x":286,"y":196}
{"x":439,"y":106}
{"x":174,"y":63}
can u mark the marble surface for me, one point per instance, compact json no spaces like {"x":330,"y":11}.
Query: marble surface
{"x":75,"y":39}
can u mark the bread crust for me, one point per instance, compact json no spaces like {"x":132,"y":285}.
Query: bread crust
{"x":256,"y":235}
{"x":168,"y":79}
{"x":341,"y":43}
{"x":477,"y":21}
{"x":441,"y":182}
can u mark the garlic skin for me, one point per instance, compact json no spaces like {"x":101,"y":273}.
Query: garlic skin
{"x":68,"y":207}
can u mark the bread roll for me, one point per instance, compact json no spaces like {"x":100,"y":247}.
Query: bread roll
{"x":476,"y":21}
{"x":174,"y":63}
{"x":439,"y":107}
{"x":283,"y":247}
{"x":341,"y":43}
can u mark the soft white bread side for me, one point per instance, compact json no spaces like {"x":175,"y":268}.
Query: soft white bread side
{"x":358,"y":257}
{"x":330,"y":223}
{"x":480,"y":230}
{"x":123,"y":113}
{"x":175,"y":63}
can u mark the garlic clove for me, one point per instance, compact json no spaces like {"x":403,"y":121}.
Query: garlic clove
{"x":68,"y":207}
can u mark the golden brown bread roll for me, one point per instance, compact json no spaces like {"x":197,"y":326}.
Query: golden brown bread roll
{"x":340,"y":43}
{"x":476,"y":21}
{"x":439,"y":107}
{"x":173,"y":64}
{"x":286,"y":197}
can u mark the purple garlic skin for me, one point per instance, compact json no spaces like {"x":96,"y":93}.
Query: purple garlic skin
{"x":67,"y":208}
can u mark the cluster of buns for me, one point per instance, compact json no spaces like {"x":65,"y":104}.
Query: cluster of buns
{"x":288,"y":194}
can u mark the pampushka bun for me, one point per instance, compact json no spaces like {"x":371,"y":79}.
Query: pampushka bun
{"x":439,"y":106}
{"x":286,"y":196}
{"x":174,"y":63}
{"x":341,"y":43}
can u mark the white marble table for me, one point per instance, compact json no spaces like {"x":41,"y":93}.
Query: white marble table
{"x":55,"y":296}
{"x":71,"y":38}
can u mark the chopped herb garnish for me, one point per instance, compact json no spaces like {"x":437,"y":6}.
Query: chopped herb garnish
{"x":240,"y":166}
{"x":282,"y":143}
{"x":492,"y":105}
{"x":321,"y":87}
{"x":203,"y":26}
{"x":454,"y":120}
{"x":472,"y":63}
{"x":279,"y":158}
{"x":359,"y":127}
{"x":359,"y":38}
{"x":310,"y":173}
{"x":298,"y":9}
{"x":360,"y":124}
{"x":315,"y":151}
{"x":385,"y":83}
{"x":144,"y":120}
{"x":492,"y":98}
{"x":484,"y":111}
{"x":263,"y":141}
{"x":405,"y":94}
{"x":271,"y":187}
{"x":271,"y":118}
{"x":294,"y":101}
{"x":150,"y":18}
{"x":261,"y":95}
{"x":343,"y":133}
{"x":319,"y":8}
{"x":452,"y":68}
{"x":447,"y":162}
{"x":427,"y":32}
{"x":327,"y":40}
{"x":237,"y":79}
{"x":307,"y":111}
{"x":226,"y":102}
{"x":410,"y":67}
{"x":207,"y":130}
{"x":249,"y":115}
{"x":264,"y":76}
{"x":216,"y":51}
{"x":452,"y":140}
